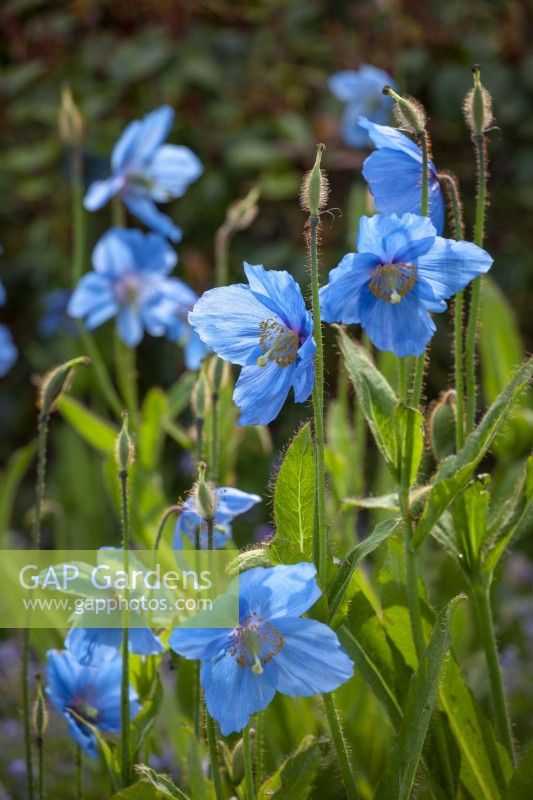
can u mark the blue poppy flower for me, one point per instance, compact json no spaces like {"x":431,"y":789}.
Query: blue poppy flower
{"x":180,"y":330}
{"x":401,"y":272}
{"x":266,"y":329}
{"x":130,"y":282}
{"x":95,"y":645}
{"x":273,"y":649}
{"x":230,"y":503}
{"x":8,"y":350}
{"x":145,"y":171}
{"x":394,"y":175}
{"x":87,"y":693}
{"x":361,"y":90}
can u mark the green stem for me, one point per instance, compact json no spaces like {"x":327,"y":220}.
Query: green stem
{"x":321,"y":542}
{"x":411,"y":575}
{"x":222,"y":256}
{"x":79,"y":773}
{"x":341,"y":747}
{"x":480,"y":590}
{"x":475,"y":294}
{"x":249,"y":792}
{"x":44,"y":418}
{"x":100,"y":370}
{"x":213,"y":461}
{"x":26,"y":710}
{"x":213,"y":755}
{"x":420,"y":363}
{"x":40,"y":766}
{"x":126,"y":373}
{"x":259,"y":748}
{"x":78,"y":214}
{"x":125,"y":680}
{"x":402,"y":379}
{"x":167,"y":513}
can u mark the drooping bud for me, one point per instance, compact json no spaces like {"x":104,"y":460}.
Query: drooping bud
{"x":56,"y":382}
{"x":409,"y":113}
{"x":205,"y":495}
{"x":442,"y":425}
{"x":70,"y":120}
{"x":315,"y":186}
{"x":40,"y":711}
{"x":477,"y":106}
{"x":124,"y":447}
{"x":242,"y":213}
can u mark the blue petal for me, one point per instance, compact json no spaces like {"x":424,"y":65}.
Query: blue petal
{"x":403,"y":328}
{"x":450,"y":265}
{"x":352,"y":133}
{"x":92,"y":292}
{"x":311,"y":660}
{"x":100,"y":192}
{"x":115,"y":253}
{"x":233,"y":693}
{"x":339,"y":299}
{"x":279,"y":291}
{"x":304,"y":373}
{"x":385,"y":136}
{"x":93,"y":645}
{"x":233,"y":501}
{"x":129,"y":326}
{"x":82,"y":735}
{"x":260,"y":392}
{"x":227,"y":320}
{"x":8,"y":351}
{"x":194,"y":643}
{"x":144,"y":209}
{"x":195,"y":350}
{"x":345,"y":85}
{"x":172,"y":169}
{"x":394,"y":238}
{"x":124,"y":150}
{"x":153,"y":252}
{"x":281,"y":591}
{"x":155,"y":128}
{"x":143,"y":642}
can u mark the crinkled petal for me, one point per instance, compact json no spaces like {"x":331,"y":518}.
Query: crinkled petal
{"x":260,"y":392}
{"x":193,"y":643}
{"x":279,"y":291}
{"x":233,"y":693}
{"x":227,"y":319}
{"x":385,"y":136}
{"x":404,"y":328}
{"x":100,"y":192}
{"x":339,"y":299}
{"x":281,"y":591}
{"x":93,"y":645}
{"x":395,"y":238}
{"x":172,"y":169}
{"x":144,"y":209}
{"x":311,"y":660}
{"x":449,"y":266}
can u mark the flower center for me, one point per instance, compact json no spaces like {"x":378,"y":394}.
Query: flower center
{"x":255,"y":643}
{"x":85,"y":710}
{"x":391,"y":282}
{"x":278,"y":343}
{"x":127,"y":290}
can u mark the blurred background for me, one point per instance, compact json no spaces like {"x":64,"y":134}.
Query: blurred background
{"x":249,"y":83}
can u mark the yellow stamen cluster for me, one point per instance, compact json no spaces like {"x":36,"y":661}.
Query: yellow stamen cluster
{"x":391,"y":282}
{"x":279,"y":343}
{"x":255,"y":643}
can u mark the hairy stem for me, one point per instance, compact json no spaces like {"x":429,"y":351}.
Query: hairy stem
{"x":125,"y":681}
{"x":420,"y":363}
{"x":213,"y":755}
{"x":341,"y":747}
{"x":249,"y":792}
{"x":79,"y":773}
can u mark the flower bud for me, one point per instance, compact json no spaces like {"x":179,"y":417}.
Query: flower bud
{"x":216,"y":374}
{"x":409,"y":113}
{"x":242,"y":213}
{"x":56,"y":382}
{"x":315,"y":186}
{"x":199,"y":396}
{"x":205,"y":495}
{"x":70,"y":121}
{"x":40,"y":711}
{"x":442,"y":424}
{"x":124,"y":447}
{"x":477,"y":106}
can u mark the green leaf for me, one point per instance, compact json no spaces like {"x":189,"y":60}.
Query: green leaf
{"x":294,"y":779}
{"x":455,"y":471}
{"x":10,"y":479}
{"x":409,"y":427}
{"x":522,"y":780}
{"x":151,"y":432}
{"x":179,"y":394}
{"x":143,"y":723}
{"x":140,"y":791}
{"x":97,"y":432}
{"x":378,"y":400}
{"x":382,"y":502}
{"x":399,"y":775}
{"x":350,"y":562}
{"x":294,"y":502}
{"x":162,"y":783}
{"x":511,"y":519}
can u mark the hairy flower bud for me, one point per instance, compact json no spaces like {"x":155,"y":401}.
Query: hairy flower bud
{"x":40,"y":711}
{"x":242,"y":213}
{"x":124,"y":447}
{"x":205,"y":496}
{"x":477,"y":106}
{"x":409,"y":113}
{"x":56,"y":382}
{"x":70,"y":120}
{"x":442,"y":424}
{"x":315,"y":186}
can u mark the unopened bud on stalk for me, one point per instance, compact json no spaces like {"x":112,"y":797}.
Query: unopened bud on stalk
{"x":124,"y":447}
{"x":442,"y":424}
{"x":56,"y":382}
{"x":477,"y":106}
{"x":205,"y":495}
{"x":216,"y":374}
{"x":409,"y":113}
{"x":315,"y":186}
{"x":242,"y":213}
{"x":40,"y":711}
{"x":70,"y":120}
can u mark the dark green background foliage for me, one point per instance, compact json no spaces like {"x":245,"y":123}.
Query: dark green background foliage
{"x":248,"y":81}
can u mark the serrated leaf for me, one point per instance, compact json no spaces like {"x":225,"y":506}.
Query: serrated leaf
{"x":294,"y":502}
{"x":294,"y":779}
{"x":351,"y":561}
{"x":160,"y":783}
{"x":96,"y":431}
{"x":399,"y":775}
{"x":375,"y":395}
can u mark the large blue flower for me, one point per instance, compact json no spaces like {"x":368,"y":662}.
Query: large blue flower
{"x":145,"y":171}
{"x":273,"y":649}
{"x":361,"y":90}
{"x":230,"y":503}
{"x":401,"y":272}
{"x":8,"y":351}
{"x":394,"y":175}
{"x":87,"y":693}
{"x":130,"y":282}
{"x":265,"y":328}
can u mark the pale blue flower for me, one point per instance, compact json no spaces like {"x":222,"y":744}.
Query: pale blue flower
{"x":361,"y":90}
{"x":8,"y":350}
{"x":230,"y":503}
